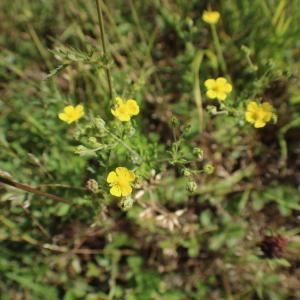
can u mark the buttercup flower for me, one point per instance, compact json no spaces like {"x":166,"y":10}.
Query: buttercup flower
{"x":121,"y":181}
{"x":259,"y":114}
{"x":71,"y":113}
{"x":217,"y":88}
{"x":211,"y":17}
{"x":125,"y":109}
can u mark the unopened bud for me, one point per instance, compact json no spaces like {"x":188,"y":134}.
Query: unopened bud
{"x":191,"y":186}
{"x":208,"y":168}
{"x":199,"y":153}
{"x":174,"y":122}
{"x":92,"y":186}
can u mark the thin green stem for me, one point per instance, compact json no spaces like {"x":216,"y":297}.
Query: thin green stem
{"x":197,"y":91}
{"x":124,"y":144}
{"x":102,"y":35}
{"x":218,"y":48}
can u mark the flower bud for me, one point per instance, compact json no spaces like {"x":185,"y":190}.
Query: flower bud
{"x":126,"y":203}
{"x":208,"y":168}
{"x":191,"y":186}
{"x":92,"y":186}
{"x":198,"y":152}
{"x":174,"y":122}
{"x":186,"y":172}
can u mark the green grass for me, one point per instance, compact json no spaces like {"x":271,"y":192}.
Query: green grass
{"x":188,"y":231}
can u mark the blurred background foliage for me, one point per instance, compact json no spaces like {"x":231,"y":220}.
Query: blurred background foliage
{"x":235,"y":237}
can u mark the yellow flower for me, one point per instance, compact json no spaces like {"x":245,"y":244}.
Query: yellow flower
{"x":211,"y":17}
{"x":259,"y":114}
{"x":71,"y":113}
{"x":121,"y":181}
{"x":125,"y":109}
{"x":217,"y":88}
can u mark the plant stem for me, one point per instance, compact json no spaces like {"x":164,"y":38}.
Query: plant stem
{"x":28,"y":188}
{"x":124,"y":144}
{"x":197,"y":91}
{"x":102,"y":34}
{"x":218,"y":48}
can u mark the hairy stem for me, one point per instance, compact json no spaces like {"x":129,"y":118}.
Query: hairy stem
{"x":218,"y":48}
{"x":102,"y":35}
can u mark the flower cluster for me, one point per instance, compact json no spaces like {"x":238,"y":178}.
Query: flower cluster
{"x":121,"y":181}
{"x":211,"y":17}
{"x":259,"y":114}
{"x":218,"y":88}
{"x":125,"y":109}
{"x":71,"y":114}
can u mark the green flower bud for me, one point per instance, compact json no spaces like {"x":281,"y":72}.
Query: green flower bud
{"x":187,"y":129}
{"x":211,"y":109}
{"x":92,"y":140}
{"x":208,"y":168}
{"x":191,"y":186}
{"x":186,"y":172}
{"x":174,"y":122}
{"x":126,"y":203}
{"x":199,"y":153}
{"x":99,"y":123}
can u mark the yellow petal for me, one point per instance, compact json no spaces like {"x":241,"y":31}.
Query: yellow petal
{"x":252,"y":106}
{"x":268,"y":116}
{"x":211,"y":94}
{"x":114,"y":112}
{"x":112,"y":177}
{"x":132,"y":107}
{"x":209,"y":83}
{"x":123,"y":117}
{"x":259,"y":124}
{"x":227,"y":88}
{"x":126,"y":190}
{"x":79,"y":108}
{"x":131,"y":176}
{"x":69,"y":109}
{"x":125,"y":174}
{"x":119,"y":101}
{"x":122,"y":171}
{"x":116,"y":191}
{"x":249,"y":117}
{"x":221,"y":96}
{"x":221,"y":80}
{"x":63,"y":117}
{"x":211,"y":17}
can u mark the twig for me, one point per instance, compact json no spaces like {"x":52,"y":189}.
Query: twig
{"x":30,"y":189}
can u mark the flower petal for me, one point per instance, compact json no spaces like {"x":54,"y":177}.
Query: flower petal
{"x":116,"y":191}
{"x":252,"y":106}
{"x":112,"y":177}
{"x":249,"y":117}
{"x":221,"y":80}
{"x":259,"y":124}
{"x":119,"y":101}
{"x":211,"y":94}
{"x":126,"y":190}
{"x":79,"y":108}
{"x":63,"y":116}
{"x":227,"y":88}
{"x":69,"y":109}
{"x":209,"y":83}
{"x":132,"y":107}
{"x":221,"y":95}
